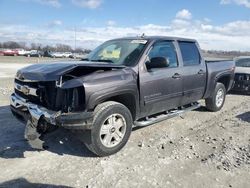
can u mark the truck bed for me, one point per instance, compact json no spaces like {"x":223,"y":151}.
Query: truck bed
{"x":215,"y":69}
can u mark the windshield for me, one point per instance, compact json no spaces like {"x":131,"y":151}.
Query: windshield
{"x":120,"y":52}
{"x":243,"y":62}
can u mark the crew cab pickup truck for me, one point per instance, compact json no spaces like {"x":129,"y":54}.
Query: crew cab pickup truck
{"x":123,"y":83}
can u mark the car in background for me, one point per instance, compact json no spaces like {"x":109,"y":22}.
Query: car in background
{"x":22,"y":52}
{"x":35,"y":53}
{"x":78,"y":56}
{"x":10,"y":52}
{"x":242,"y":75}
{"x":57,"y":54}
{"x":48,"y":53}
{"x":61,"y":54}
{"x":67,"y":54}
{"x":1,"y":51}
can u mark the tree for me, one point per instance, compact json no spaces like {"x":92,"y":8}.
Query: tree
{"x":11,"y":45}
{"x":63,"y":48}
{"x":49,"y":48}
{"x":86,"y":51}
{"x":36,"y":46}
{"x":78,"y":50}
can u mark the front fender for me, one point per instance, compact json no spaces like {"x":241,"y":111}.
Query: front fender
{"x":101,"y":96}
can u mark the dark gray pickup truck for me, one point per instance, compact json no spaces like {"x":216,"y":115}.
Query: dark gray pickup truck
{"x":123,"y":83}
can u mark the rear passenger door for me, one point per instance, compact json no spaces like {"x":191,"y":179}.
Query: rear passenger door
{"x":194,"y":72}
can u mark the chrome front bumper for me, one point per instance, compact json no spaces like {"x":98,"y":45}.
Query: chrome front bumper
{"x":34,"y":116}
{"x":35,"y":111}
{"x":37,"y":118}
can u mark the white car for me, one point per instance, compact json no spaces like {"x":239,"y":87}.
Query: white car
{"x":78,"y":56}
{"x":57,"y":54}
{"x":67,"y":54}
{"x":22,"y":52}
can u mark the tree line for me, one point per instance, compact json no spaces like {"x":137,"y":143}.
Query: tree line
{"x":68,"y":48}
{"x":221,"y":53}
{"x":38,"y":46}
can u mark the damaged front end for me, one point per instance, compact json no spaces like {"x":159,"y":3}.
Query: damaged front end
{"x":53,"y":95}
{"x":39,"y":119}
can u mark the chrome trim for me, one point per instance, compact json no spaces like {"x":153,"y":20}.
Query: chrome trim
{"x":26,"y":90}
{"x":35,"y":111}
{"x":165,"y":116}
{"x":25,"y":80}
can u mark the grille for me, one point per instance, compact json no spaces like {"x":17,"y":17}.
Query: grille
{"x":54,"y":98}
{"x":45,"y":95}
{"x":241,"y":77}
{"x":31,"y":98}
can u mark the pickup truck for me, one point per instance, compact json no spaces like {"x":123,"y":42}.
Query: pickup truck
{"x":123,"y":83}
{"x":242,"y":75}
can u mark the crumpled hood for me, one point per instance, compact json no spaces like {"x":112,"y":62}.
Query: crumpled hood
{"x":242,"y":70}
{"x":53,"y":71}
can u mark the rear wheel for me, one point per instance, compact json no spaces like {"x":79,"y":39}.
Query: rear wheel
{"x":111,"y":128}
{"x":216,"y":101}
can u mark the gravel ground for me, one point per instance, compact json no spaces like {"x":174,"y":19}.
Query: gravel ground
{"x":198,"y":149}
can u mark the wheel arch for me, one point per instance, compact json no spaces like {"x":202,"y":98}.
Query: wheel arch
{"x":225,"y":80}
{"x":128,"y":99}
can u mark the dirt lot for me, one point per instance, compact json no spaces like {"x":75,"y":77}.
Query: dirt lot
{"x":199,"y":149}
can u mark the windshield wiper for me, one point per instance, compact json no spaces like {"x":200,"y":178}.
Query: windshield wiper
{"x":103,"y":60}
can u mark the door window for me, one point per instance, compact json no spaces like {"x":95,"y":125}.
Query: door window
{"x":166,"y":50}
{"x":190,"y":53}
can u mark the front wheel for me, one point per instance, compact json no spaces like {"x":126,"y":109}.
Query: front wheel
{"x":111,"y":128}
{"x":216,"y":101}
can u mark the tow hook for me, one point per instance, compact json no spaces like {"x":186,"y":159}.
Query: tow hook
{"x":33,"y":136}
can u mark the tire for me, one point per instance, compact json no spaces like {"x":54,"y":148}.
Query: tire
{"x":217,"y":99}
{"x":106,"y":138}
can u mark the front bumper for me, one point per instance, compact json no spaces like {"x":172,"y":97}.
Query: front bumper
{"x":25,"y":110}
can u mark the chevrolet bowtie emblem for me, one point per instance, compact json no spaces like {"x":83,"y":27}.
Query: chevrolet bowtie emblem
{"x":25,"y":90}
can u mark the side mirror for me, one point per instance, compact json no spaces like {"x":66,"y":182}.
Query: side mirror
{"x":157,"y":62}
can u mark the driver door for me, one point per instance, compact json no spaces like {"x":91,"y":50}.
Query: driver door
{"x":161,"y":87}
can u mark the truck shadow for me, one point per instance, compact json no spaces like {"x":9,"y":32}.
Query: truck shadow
{"x":202,"y":109}
{"x":13,"y":144}
{"x":244,"y":117}
{"x":22,"y":182}
{"x":238,"y":93}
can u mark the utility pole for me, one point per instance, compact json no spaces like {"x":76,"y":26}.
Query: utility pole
{"x":75,"y":38}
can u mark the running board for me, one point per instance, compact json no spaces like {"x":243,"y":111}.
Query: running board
{"x":167,"y":115}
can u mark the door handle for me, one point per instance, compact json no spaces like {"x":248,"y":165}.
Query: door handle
{"x":201,"y":72}
{"x":176,"y":76}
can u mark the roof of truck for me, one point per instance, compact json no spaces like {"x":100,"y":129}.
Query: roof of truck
{"x":158,"y":38}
